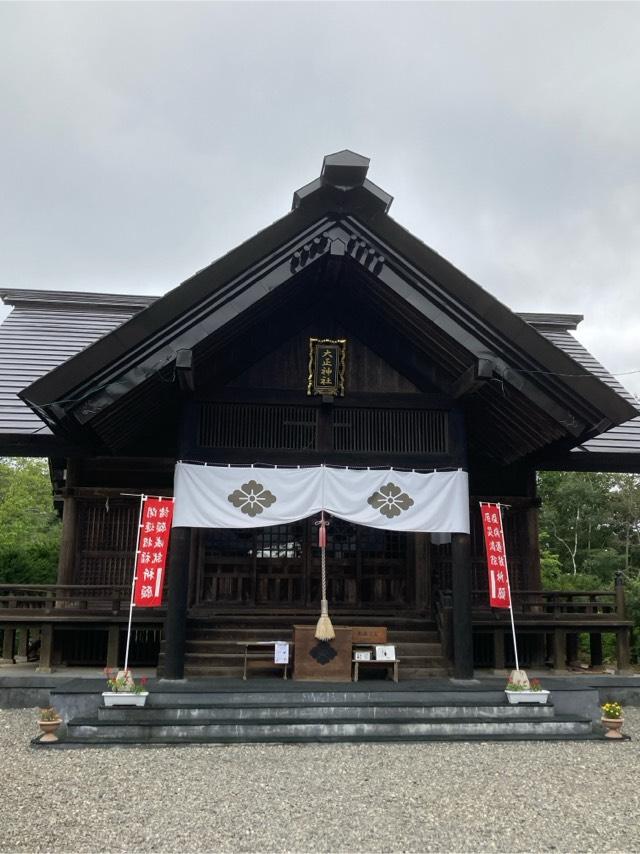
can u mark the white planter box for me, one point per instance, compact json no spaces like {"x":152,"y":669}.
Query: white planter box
{"x":516,"y":697}
{"x":124,"y":698}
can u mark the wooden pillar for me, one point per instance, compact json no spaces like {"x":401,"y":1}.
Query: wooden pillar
{"x":421,"y":565}
{"x":559,"y":650}
{"x":195,"y":565}
{"x":621,"y":608}
{"x":175,"y":628}
{"x":498,"y":649}
{"x":595,"y":648}
{"x":530,"y":534}
{"x":8,"y":641}
{"x":46,"y":648}
{"x":623,"y":635}
{"x":461,"y":590}
{"x":67,"y":556}
{"x":623,"y":650}
{"x":113,"y":646}
{"x":22,"y":645}
{"x":530,"y":537}
{"x":572,"y":647}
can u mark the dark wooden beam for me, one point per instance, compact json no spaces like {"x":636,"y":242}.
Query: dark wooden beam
{"x":473,"y":378}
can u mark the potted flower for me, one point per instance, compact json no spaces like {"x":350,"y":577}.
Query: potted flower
{"x":533,"y":692}
{"x":49,"y":720}
{"x":612,"y":719}
{"x":124,"y":690}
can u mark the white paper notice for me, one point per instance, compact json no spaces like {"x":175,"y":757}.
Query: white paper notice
{"x":281,"y":653}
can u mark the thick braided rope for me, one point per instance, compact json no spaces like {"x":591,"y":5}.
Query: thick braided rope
{"x":323,"y":566}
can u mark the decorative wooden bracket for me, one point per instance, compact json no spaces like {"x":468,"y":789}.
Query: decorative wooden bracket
{"x":184,"y":370}
{"x":473,"y":378}
{"x":365,"y":254}
{"x":314,"y":249}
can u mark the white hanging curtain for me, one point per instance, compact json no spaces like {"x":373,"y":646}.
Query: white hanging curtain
{"x":247,"y":497}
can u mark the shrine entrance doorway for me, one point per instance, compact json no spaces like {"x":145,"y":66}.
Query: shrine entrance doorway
{"x":279,"y":567}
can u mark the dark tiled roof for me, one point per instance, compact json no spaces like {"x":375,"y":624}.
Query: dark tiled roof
{"x":624,"y":439}
{"x":557,"y":321}
{"x":44,"y":329}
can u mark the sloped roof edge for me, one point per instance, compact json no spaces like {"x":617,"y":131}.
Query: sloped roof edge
{"x":322,"y":207}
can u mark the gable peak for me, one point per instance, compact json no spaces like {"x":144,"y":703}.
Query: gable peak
{"x":344,"y":171}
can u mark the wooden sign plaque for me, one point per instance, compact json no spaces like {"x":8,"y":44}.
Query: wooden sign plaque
{"x":327,"y":358}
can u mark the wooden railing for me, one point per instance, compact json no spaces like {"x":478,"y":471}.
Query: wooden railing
{"x":555,"y":618}
{"x":41,"y":599}
{"x":558,"y":604}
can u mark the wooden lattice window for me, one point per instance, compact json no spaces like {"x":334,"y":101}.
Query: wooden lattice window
{"x":391,"y":431}
{"x":268,"y":427}
{"x":106,"y":541}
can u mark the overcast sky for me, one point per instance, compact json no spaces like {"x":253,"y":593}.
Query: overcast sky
{"x":140,"y":141}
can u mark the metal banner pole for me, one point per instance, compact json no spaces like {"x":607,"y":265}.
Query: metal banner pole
{"x":133,"y":581}
{"x":513,"y":627}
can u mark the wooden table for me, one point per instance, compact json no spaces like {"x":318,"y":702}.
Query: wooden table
{"x":394,"y":662}
{"x":256,"y":651}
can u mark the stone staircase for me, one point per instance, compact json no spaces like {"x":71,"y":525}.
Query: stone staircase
{"x":212,"y":647}
{"x":296,"y":712}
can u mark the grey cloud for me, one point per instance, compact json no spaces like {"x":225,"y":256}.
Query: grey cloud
{"x":139,"y":141}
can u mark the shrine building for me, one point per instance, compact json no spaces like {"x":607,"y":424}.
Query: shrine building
{"x":332,"y":354}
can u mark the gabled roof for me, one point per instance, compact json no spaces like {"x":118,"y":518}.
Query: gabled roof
{"x":339,"y":227}
{"x":47,"y":327}
{"x":617,"y":449}
{"x":44,"y":329}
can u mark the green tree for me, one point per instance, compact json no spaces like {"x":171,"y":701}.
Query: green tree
{"x":589,"y":531}
{"x":626,"y":521}
{"x":577,"y":519}
{"x":29,"y":526}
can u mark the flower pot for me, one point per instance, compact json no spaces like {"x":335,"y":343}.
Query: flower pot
{"x":613,"y":727}
{"x":48,"y":729}
{"x":124,"y":698}
{"x":517,"y":697}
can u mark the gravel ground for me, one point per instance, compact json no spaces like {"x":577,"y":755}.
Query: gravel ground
{"x":422,"y":797}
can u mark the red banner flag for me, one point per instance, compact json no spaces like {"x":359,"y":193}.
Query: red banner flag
{"x":499,"y":591}
{"x":151,"y":558}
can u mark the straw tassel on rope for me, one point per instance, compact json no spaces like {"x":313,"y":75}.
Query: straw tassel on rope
{"x":324,"y":629}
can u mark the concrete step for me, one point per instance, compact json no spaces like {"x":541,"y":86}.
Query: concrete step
{"x":93,"y":741}
{"x":267,"y":692}
{"x":299,"y":712}
{"x":231,"y":730}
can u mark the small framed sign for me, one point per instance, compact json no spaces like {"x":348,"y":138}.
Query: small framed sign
{"x":327,"y":357}
{"x":281,"y":652}
{"x":385,"y":652}
{"x":362,"y":655}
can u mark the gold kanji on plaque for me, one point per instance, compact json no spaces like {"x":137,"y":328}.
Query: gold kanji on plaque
{"x":327,"y":358}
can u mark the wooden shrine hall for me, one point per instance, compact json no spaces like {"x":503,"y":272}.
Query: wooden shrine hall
{"x":331,"y":338}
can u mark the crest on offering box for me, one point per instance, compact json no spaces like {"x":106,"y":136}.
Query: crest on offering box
{"x":327,"y":357}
